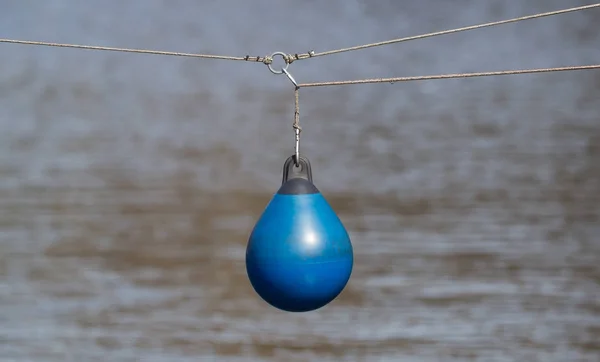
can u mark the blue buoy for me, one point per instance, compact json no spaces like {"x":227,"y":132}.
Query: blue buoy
{"x":299,"y":256}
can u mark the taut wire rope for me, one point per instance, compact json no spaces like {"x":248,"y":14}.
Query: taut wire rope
{"x":289,"y":58}
{"x":449,"y":76}
{"x":313,"y":54}
{"x":265,"y":60}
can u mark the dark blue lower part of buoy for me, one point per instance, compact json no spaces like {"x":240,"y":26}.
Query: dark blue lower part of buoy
{"x":299,"y":287}
{"x":299,"y":256}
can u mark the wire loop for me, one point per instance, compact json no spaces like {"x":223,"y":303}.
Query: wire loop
{"x":288,"y":60}
{"x":269,"y":60}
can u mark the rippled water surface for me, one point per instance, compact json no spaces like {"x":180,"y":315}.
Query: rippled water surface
{"x":129,"y":183}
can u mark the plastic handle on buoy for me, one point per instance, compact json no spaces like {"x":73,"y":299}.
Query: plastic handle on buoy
{"x":303,"y":170}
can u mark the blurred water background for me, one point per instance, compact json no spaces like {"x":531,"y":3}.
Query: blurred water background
{"x":129,"y":183}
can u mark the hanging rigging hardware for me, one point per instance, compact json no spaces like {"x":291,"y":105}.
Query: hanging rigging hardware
{"x":288,"y":59}
{"x":296,"y":126}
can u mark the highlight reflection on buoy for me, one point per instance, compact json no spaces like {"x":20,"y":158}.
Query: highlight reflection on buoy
{"x":299,"y":256}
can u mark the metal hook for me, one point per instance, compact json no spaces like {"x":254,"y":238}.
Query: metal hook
{"x":290,"y":77}
{"x":284,"y":68}
{"x":297,"y":160}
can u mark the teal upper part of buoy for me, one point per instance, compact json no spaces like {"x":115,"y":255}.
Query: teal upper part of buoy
{"x":299,"y":256}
